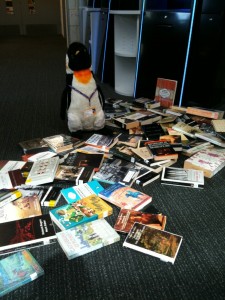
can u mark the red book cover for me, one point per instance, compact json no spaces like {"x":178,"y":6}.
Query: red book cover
{"x":165,"y":91}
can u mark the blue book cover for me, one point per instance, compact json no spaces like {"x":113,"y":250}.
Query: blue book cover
{"x":75,"y":193}
{"x":18,"y":269}
{"x":70,"y":215}
{"x":125,"y":197}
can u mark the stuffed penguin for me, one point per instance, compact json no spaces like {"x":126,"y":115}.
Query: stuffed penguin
{"x":82,"y":100}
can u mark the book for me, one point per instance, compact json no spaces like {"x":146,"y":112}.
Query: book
{"x":33,"y":146}
{"x":8,"y":195}
{"x":209,"y":137}
{"x":152,"y":131}
{"x":147,"y":178}
{"x":127,"y":217}
{"x":84,"y":210}
{"x":73,"y":174}
{"x":130,"y":140}
{"x":174,"y":140}
{"x":69,"y":215}
{"x":87,"y":237}
{"x":135,"y":119}
{"x":61,"y":142}
{"x":51,"y":197}
{"x":218,"y":125}
{"x":194,"y":146}
{"x":97,"y":204}
{"x":172,"y":131}
{"x":26,"y":233}
{"x":165,"y":91}
{"x":117,"y":170}
{"x":182,"y":177}
{"x":186,"y":129}
{"x":18,"y":269}
{"x":80,"y":159}
{"x":125,"y":197}
{"x":205,"y":112}
{"x":11,"y":179}
{"x":161,"y":150}
{"x":180,"y":109}
{"x":28,"y":205}
{"x":112,"y":111}
{"x":143,"y":153}
{"x":158,"y":243}
{"x":124,"y":152}
{"x":43,"y":171}
{"x":210,"y":161}
{"x":10,"y":165}
{"x":40,"y":156}
{"x":48,"y":195}
{"x":103,"y":142}
{"x":72,"y":194}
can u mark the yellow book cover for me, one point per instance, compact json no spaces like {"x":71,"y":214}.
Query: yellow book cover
{"x":98,"y":205}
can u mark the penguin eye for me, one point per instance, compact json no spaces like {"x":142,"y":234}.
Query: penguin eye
{"x":77,"y":52}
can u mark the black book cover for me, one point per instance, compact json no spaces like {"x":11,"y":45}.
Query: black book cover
{"x":26,"y":232}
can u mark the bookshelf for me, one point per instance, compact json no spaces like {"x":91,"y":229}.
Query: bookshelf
{"x":126,"y":36}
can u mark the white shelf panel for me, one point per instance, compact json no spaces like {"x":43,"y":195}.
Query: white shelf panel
{"x":125,"y":75}
{"x":126,"y":30}
{"x":125,"y":12}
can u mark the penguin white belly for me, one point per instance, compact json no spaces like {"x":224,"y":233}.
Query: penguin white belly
{"x":85,"y":111}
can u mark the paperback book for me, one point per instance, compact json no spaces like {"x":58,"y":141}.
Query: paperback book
{"x":81,"y":159}
{"x":43,"y":171}
{"x":174,"y":140}
{"x":116,"y":170}
{"x":209,"y":137}
{"x":187,"y":129}
{"x":165,"y":91}
{"x":130,"y":140}
{"x":25,"y":207}
{"x":8,"y":195}
{"x":26,"y":233}
{"x":61,"y":142}
{"x":155,"y":242}
{"x":11,"y":179}
{"x":194,"y":146}
{"x":87,"y":237}
{"x":209,"y":161}
{"x":73,"y":174}
{"x":51,"y":197}
{"x":75,"y":193}
{"x":70,"y":215}
{"x":147,"y":178}
{"x":127,"y":217}
{"x":183,"y":177}
{"x":161,"y":150}
{"x":48,"y":195}
{"x":84,"y":210}
{"x":103,"y":142}
{"x":205,"y":112}
{"x":135,"y":119}
{"x":152,"y":131}
{"x":34,"y":146}
{"x":18,"y":269}
{"x":125,"y":197}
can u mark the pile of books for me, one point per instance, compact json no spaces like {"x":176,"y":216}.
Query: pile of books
{"x":81,"y":181}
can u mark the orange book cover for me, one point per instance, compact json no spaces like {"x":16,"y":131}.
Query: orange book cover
{"x":165,"y":91}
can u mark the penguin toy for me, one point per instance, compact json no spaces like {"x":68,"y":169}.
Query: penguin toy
{"x":82,"y":99}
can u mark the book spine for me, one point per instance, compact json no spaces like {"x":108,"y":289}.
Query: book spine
{"x":204,"y":113}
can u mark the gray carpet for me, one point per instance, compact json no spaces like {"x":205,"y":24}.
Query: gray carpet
{"x":32,"y":77}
